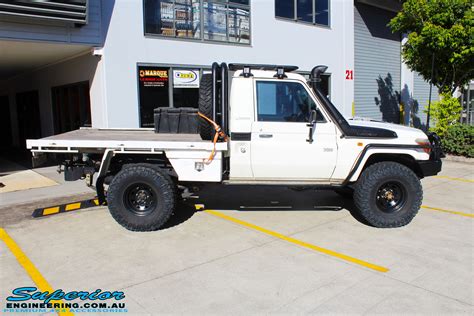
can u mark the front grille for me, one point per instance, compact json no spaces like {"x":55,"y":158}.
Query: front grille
{"x":74,"y":11}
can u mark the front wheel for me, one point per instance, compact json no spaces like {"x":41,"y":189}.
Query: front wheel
{"x":388,"y":194}
{"x":141,"y":198}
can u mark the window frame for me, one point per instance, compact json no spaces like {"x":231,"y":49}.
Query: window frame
{"x":295,"y":17}
{"x":310,"y":93}
{"x":201,"y":39}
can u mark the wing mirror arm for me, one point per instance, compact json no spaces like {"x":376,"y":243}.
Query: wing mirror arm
{"x":312,"y":126}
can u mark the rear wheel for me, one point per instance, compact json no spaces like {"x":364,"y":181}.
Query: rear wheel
{"x":205,"y":107}
{"x":388,"y":194}
{"x":141,"y":198}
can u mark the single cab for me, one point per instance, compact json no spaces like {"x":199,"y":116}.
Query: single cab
{"x":260,"y":125}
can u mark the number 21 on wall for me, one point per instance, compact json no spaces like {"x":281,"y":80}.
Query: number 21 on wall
{"x":349,"y":74}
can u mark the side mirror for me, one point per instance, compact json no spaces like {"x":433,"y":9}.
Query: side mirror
{"x":312,"y":125}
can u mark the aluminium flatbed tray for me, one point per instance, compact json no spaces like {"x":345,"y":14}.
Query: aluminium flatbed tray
{"x":123,"y":140}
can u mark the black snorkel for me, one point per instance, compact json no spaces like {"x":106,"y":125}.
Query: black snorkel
{"x":344,"y":127}
{"x":315,"y":77}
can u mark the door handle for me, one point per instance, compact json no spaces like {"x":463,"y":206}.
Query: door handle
{"x":265,"y":135}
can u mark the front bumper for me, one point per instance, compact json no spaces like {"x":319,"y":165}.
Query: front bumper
{"x":432,"y":166}
{"x":429,"y":167}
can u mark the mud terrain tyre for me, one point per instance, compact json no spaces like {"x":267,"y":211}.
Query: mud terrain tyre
{"x":205,"y":107}
{"x":388,"y":194}
{"x":141,"y":198}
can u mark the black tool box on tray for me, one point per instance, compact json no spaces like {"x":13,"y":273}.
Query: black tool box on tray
{"x":176,"y":120}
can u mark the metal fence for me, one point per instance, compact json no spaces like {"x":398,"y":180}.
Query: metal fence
{"x":467,"y":101}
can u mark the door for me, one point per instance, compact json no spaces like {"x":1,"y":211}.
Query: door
{"x":28,"y":113}
{"x":5,"y":123}
{"x":71,"y":107}
{"x":279,"y":146}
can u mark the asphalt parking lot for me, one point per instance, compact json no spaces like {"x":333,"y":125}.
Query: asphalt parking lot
{"x":261,"y":251}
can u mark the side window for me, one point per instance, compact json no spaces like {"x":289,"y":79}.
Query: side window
{"x":281,"y":101}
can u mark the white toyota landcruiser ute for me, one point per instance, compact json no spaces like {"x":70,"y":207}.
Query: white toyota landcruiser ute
{"x":260,"y":125}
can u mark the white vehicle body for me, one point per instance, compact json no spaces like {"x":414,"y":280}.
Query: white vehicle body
{"x":277,"y":153}
{"x":276,"y":129}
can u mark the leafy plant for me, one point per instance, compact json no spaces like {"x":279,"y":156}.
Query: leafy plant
{"x":459,"y":140}
{"x":444,"y":28}
{"x":444,"y":113}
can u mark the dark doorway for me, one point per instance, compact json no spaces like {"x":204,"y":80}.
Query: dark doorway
{"x":28,"y":113}
{"x":5,"y":123}
{"x":71,"y":107}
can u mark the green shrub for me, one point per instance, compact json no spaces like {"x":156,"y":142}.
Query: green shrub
{"x":444,"y":113}
{"x":459,"y":140}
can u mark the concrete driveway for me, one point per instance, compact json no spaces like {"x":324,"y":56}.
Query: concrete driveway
{"x":261,"y":251}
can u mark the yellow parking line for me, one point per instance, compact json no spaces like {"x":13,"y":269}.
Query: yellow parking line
{"x":29,"y":267}
{"x":51,"y":210}
{"x":73,"y":206}
{"x":454,"y":179}
{"x":447,"y":211}
{"x":299,"y":242}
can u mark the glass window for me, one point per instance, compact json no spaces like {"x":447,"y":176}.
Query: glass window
{"x":322,"y":12}
{"x":305,"y":10}
{"x":282,"y":101}
{"x":312,"y":11}
{"x":153,"y":83}
{"x":162,"y":86}
{"x":285,"y":9}
{"x":215,"y":20}
{"x":186,"y":88}
{"x":239,"y":25}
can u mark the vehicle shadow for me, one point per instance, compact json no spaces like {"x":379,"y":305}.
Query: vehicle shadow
{"x":262,"y":199}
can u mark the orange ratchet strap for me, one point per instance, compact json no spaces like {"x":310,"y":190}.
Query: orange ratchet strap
{"x":219,"y":133}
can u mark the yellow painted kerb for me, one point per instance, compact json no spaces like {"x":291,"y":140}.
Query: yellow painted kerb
{"x":73,"y":206}
{"x":299,"y":242}
{"x":29,"y":267}
{"x":51,"y":210}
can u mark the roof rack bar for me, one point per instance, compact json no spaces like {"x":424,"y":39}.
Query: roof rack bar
{"x":286,"y":68}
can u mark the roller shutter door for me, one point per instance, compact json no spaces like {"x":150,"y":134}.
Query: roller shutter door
{"x":377,"y":64}
{"x":421,"y":94}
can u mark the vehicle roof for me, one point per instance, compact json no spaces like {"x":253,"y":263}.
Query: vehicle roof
{"x":269,"y":74}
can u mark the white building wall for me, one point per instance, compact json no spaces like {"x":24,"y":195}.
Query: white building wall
{"x":272,"y":41}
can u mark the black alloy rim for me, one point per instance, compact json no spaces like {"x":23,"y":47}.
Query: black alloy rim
{"x":140,"y":199}
{"x":391,"y":197}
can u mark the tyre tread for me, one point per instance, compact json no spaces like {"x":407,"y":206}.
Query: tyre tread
{"x":365,"y":184}
{"x":165,"y":184}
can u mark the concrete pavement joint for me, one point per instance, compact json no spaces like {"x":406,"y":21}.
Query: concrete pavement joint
{"x":319,"y":287}
{"x":422,"y":288}
{"x":300,"y":243}
{"x":236,"y":253}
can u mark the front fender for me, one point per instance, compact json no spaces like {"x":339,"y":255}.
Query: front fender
{"x":414,"y":151}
